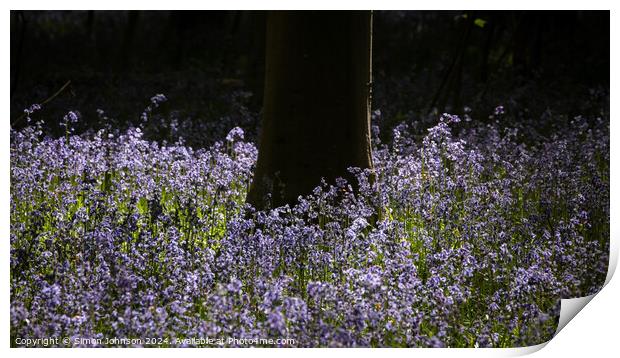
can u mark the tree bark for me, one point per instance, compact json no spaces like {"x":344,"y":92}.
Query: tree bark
{"x":316,"y":116}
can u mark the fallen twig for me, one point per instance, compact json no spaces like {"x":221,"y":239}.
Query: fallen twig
{"x":47,"y":100}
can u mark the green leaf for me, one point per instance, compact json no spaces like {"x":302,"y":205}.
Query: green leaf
{"x":143,"y":206}
{"x":480,"y":22}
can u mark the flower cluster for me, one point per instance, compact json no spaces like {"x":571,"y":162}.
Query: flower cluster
{"x":459,"y":241}
{"x":156,"y":101}
{"x":30,"y":110}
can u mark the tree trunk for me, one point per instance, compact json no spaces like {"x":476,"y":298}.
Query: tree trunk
{"x":316,"y":116}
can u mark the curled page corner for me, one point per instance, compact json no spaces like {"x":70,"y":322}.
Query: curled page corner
{"x":570,"y":307}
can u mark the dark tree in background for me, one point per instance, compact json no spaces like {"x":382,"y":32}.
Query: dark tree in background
{"x":316,"y":120}
{"x":210,"y":65}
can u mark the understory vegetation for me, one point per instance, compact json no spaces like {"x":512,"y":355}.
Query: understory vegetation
{"x":468,"y":236}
